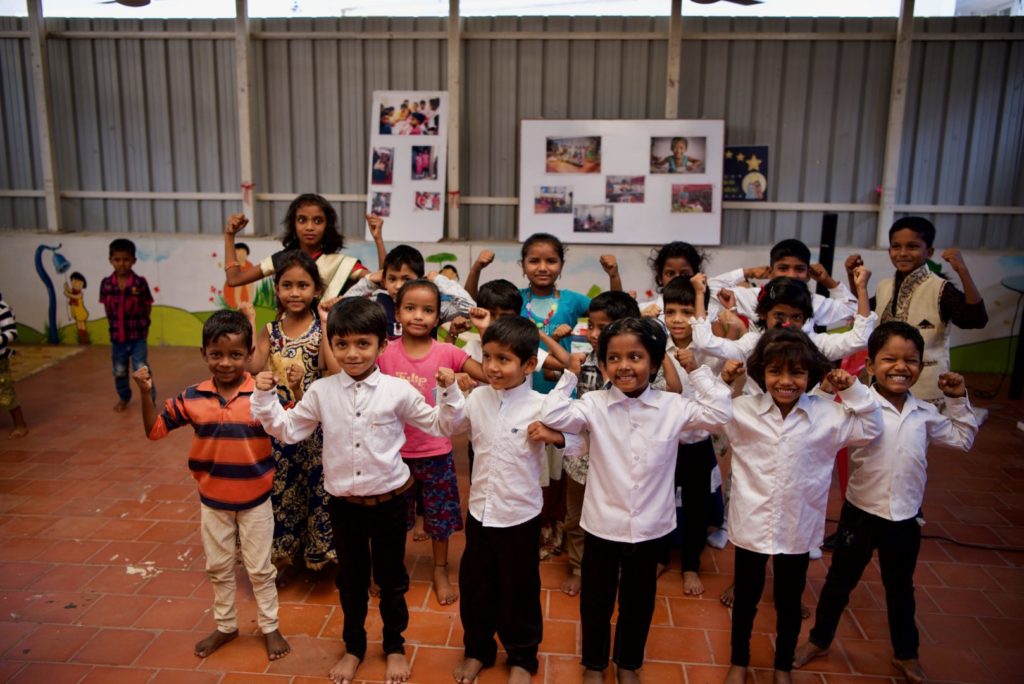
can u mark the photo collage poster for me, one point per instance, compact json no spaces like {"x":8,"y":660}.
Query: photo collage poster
{"x":408,"y":162}
{"x":625,"y":182}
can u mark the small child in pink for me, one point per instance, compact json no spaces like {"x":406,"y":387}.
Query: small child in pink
{"x":416,"y":357}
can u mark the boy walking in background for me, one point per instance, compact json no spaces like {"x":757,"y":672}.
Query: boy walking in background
{"x":125,"y":296}
{"x":8,"y":399}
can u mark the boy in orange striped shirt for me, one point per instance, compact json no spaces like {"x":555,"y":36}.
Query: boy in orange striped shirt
{"x":232,"y":463}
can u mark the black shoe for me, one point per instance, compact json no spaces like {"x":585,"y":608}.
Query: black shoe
{"x":830,"y":542}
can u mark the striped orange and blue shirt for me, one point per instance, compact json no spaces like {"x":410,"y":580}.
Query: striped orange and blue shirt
{"x":231,"y":457}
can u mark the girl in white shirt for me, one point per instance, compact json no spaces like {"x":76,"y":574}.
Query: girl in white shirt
{"x":629,"y":504}
{"x":784,"y":443}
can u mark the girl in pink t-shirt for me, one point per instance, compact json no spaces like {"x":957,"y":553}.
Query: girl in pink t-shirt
{"x":416,"y":357}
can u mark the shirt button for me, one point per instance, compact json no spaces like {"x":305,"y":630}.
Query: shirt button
{"x":359,"y":472}
{"x":357,"y":445}
{"x":636,"y":486}
{"x":358,"y":413}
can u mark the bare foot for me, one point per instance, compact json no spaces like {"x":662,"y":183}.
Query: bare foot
{"x":397,"y":670}
{"x":805,"y":610}
{"x":121,"y":406}
{"x":443,"y":589}
{"x":593,"y":676}
{"x":518,"y":675}
{"x":692,"y":586}
{"x":782,"y":677}
{"x":277,"y":647}
{"x":910,"y":669}
{"x":728,"y":596}
{"x":285,"y":575}
{"x":571,"y":586}
{"x":344,"y":671}
{"x":211,"y":643}
{"x":18,"y":432}
{"x":374,"y":589}
{"x":806,"y":652}
{"x":467,"y":671}
{"x":418,"y":533}
{"x":626,"y":676}
{"x":737,"y":675}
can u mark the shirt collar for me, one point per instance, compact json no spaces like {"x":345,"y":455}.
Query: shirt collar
{"x":909,"y":404}
{"x":373,"y":379}
{"x":617,"y":397}
{"x":766,"y":404}
{"x":210,"y":386}
{"x":516,"y":393}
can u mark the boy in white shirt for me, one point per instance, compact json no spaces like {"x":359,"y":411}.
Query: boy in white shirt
{"x":784,"y":444}
{"x":885,"y":491}
{"x":363,"y":414}
{"x":499,"y":575}
{"x":629,"y":504}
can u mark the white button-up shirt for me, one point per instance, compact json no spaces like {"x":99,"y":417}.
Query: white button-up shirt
{"x":505,"y":489}
{"x":630,"y":494}
{"x":887,"y":477}
{"x":833,"y":345}
{"x":364,"y":427}
{"x":782,"y":467}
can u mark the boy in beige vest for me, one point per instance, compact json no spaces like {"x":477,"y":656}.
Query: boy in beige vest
{"x":925,"y":300}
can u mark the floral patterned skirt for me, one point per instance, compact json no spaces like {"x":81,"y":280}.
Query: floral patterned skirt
{"x":302,"y":525}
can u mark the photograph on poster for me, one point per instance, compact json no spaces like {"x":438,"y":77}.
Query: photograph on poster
{"x":383,"y":165}
{"x":691,"y":199}
{"x":624,"y":189}
{"x":402,"y":116}
{"x":754,"y":186}
{"x":428,"y":201}
{"x":380,"y":204}
{"x":592,"y":218}
{"x":678,"y":154}
{"x":573,"y":155}
{"x":424,"y":163}
{"x":552,"y":199}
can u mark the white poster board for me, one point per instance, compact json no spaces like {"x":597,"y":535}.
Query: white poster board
{"x":622,"y":182}
{"x":408,"y":163}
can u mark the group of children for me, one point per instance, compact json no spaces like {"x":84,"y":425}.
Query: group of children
{"x":323,"y":438}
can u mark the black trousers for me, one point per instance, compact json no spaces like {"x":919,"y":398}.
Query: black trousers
{"x":790,"y":573}
{"x":631,"y":571}
{"x":499,"y":578}
{"x":694,"y":464}
{"x":898,"y":544}
{"x":365,"y":535}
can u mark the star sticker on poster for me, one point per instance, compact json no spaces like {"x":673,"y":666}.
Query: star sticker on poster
{"x":753,"y":164}
{"x":740,"y":157}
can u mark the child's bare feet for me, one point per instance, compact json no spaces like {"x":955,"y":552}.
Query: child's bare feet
{"x":806,"y":652}
{"x":418,"y":533}
{"x":910,"y":669}
{"x":737,"y":675}
{"x":517,"y":675}
{"x":571,"y":586}
{"x":692,"y":586}
{"x":593,"y":676}
{"x":626,"y":676}
{"x":467,"y":671}
{"x":443,"y":589}
{"x":728,"y":596}
{"x":121,"y":406}
{"x":211,"y":643}
{"x":18,"y":431}
{"x":277,"y":647}
{"x":782,"y":677}
{"x":344,"y":671}
{"x":397,"y":669}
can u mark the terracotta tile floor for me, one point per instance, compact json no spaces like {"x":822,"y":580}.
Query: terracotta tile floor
{"x":101,"y":568}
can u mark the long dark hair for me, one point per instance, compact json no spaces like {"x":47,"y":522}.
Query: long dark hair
{"x":332,"y":241}
{"x":296,"y":257}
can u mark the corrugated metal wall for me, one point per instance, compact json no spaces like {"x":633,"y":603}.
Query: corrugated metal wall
{"x":161,"y":116}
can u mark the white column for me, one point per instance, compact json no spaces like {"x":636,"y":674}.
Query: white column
{"x":454,"y":115}
{"x":894,"y":130}
{"x":44,"y":110}
{"x":674,"y":52}
{"x":243,"y":95}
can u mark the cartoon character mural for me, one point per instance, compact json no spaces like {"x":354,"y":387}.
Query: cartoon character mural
{"x":73,"y":290}
{"x":233,"y":296}
{"x":60,"y":265}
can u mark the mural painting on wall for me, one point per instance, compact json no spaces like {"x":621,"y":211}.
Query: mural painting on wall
{"x":74,"y":290}
{"x":241,"y":294}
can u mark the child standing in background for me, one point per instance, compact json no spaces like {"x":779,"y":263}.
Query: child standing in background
{"x":292,"y":346}
{"x":668,"y":262}
{"x":417,"y":357}
{"x":126,"y":298}
{"x":8,"y":399}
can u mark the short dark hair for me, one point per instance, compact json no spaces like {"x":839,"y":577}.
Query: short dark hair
{"x":451,"y":266}
{"x":791,"y":347}
{"x":332,"y":240}
{"x":499,"y":294}
{"x":242,"y":245}
{"x":357,"y":316}
{"x":617,"y":305}
{"x":227,"y":322}
{"x":404,"y":255}
{"x":419,"y":283}
{"x":919,"y":224}
{"x":790,"y":247}
{"x":785,"y":290}
{"x":890,"y":329}
{"x":75,"y":275}
{"x":675,"y":250}
{"x":680,"y":290}
{"x":122,"y":245}
{"x":539,"y":238}
{"x":651,"y":335}
{"x":516,"y":333}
